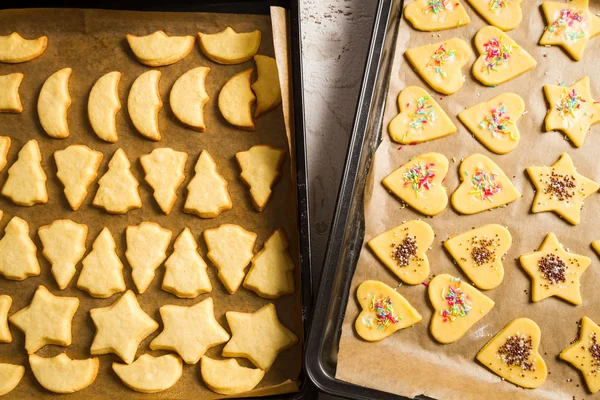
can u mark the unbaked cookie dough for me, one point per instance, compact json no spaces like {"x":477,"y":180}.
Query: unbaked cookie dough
{"x":503,"y":14}
{"x":436,"y":15}
{"x":584,"y":354}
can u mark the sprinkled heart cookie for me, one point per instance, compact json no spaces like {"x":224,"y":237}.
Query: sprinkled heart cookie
{"x":402,"y":249}
{"x":420,"y":118}
{"x":418,"y":183}
{"x":384,"y":311}
{"x":554,"y":271}
{"x":479,"y":253}
{"x":484,"y":186}
{"x":570,"y":25}
{"x":584,"y":353}
{"x":440,"y":64}
{"x":503,"y":14}
{"x":571,"y":110}
{"x":513,"y":354}
{"x":561,"y":189}
{"x":494,"y":122}
{"x":457,"y":307}
{"x":501,"y":58}
{"x":436,"y":15}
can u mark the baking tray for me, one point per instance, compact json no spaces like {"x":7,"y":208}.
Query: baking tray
{"x":307,"y":391}
{"x":347,"y":231}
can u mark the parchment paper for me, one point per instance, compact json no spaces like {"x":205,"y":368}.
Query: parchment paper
{"x":92,"y":42}
{"x":410,"y":362}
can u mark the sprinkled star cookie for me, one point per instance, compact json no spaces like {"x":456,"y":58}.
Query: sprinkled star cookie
{"x":419,"y":183}
{"x":554,"y":271}
{"x":5,"y":303}
{"x":18,"y":258}
{"x":584,"y":353}
{"x":402,"y":249}
{"x":228,"y":377}
{"x":61,"y":374}
{"x":503,"y":14}
{"x":10,"y":102}
{"x":26,"y":182}
{"x":571,"y":110}
{"x":10,"y":376}
{"x":150,"y":374}
{"x":436,"y":15}
{"x":420,"y":119}
{"x":561,"y":189}
{"x":118,"y":188}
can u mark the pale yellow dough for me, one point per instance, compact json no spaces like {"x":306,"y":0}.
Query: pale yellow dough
{"x":26,"y":182}
{"x":64,"y":246}
{"x":370,"y":294}
{"x":419,"y":183}
{"x":5,"y":303}
{"x":18,"y":258}
{"x":579,"y":354}
{"x":479,"y":254}
{"x":575,"y":124}
{"x":529,"y":376}
{"x":147,"y":245}
{"x":164,"y":169}
{"x":4,"y":146}
{"x":448,"y":326}
{"x":266,"y":88}
{"x":506,"y":15}
{"x":54,"y":102}
{"x":148,"y":374}
{"x":188,"y":97}
{"x":258,"y":336}
{"x":423,"y":17}
{"x":411,"y":241}
{"x":474,"y":172}
{"x":208,"y":194}
{"x":10,"y":102}
{"x":568,"y":202}
{"x":118,"y":188}
{"x":144,"y":103}
{"x":46,"y":320}
{"x":61,"y":374}
{"x":574,"y":38}
{"x":158,"y":49}
{"x":228,"y":377}
{"x":236,"y":99}
{"x":229,"y":47}
{"x":15,"y":49}
{"x":443,"y":75}
{"x":260,"y":168}
{"x":103,"y":106}
{"x":494,"y":122}
{"x":121,"y":327}
{"x":10,"y":376}
{"x":518,"y":62}
{"x":555,"y":271}
{"x":77,"y":167}
{"x":409,"y":127}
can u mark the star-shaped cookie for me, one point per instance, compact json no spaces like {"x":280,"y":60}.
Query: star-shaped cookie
{"x":571,"y":110}
{"x":47,"y":320}
{"x":561,"y":189}
{"x":554,"y":271}
{"x":190,"y":331}
{"x":258,"y":336}
{"x":570,"y":25}
{"x":121,"y":327}
{"x":584,"y":353}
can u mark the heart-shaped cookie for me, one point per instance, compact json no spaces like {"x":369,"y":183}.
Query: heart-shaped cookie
{"x":440,"y":64}
{"x":457,"y":307}
{"x":503,"y":14}
{"x":513,"y":354}
{"x":494,"y":122}
{"x":436,"y":15}
{"x":384,"y":311}
{"x":501,"y":59}
{"x":484,"y":186}
{"x":420,"y":118}
{"x":418,"y":183}
{"x":479,"y":254}
{"x":402,"y":249}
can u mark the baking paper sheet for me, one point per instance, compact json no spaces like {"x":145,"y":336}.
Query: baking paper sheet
{"x":410,"y":362}
{"x":92,"y":43}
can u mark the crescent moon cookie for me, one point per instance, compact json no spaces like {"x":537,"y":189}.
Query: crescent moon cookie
{"x":228,"y":377}
{"x":440,"y":64}
{"x":436,"y":15}
{"x":513,"y":354}
{"x":555,"y":271}
{"x":501,"y":58}
{"x":419,"y":183}
{"x":236,"y":99}
{"x":61,"y":374}
{"x":77,"y":167}
{"x":494,"y":122}
{"x":420,"y":119}
{"x":229,"y":47}
{"x":14,"y":49}
{"x":384,"y":311}
{"x":26,"y":182}
{"x":5,"y":303}
{"x":484,"y":186}
{"x":158,"y":49}
{"x":402,"y":249}
{"x":188,"y":97}
{"x":148,"y":374}
{"x":144,"y":103}
{"x":103,"y":106}
{"x":572,"y":110}
{"x":584,"y":353}
{"x":53,"y":104}
{"x":503,"y":14}
{"x":10,"y":376}
{"x":570,"y":25}
{"x":266,"y":87}
{"x":10,"y":102}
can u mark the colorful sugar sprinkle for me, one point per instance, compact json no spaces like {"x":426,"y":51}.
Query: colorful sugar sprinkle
{"x":570,"y":24}
{"x":499,"y":4}
{"x":435,"y":6}
{"x":423,"y":115}
{"x":485,"y":185}
{"x":420,"y":177}
{"x":497,"y":122}
{"x":569,"y":103}
{"x":496,"y":53}
{"x":458,"y":303}
{"x":384,"y":311}
{"x":441,"y":57}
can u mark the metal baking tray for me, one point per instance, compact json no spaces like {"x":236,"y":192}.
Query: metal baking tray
{"x":347,"y":232}
{"x":307,"y":391}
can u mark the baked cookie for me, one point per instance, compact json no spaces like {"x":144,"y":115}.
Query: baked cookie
{"x":260,"y":168}
{"x":158,"y":49}
{"x":26,"y":182}
{"x":266,"y":87}
{"x":10,"y":376}
{"x":583,"y":354}
{"x":53,"y":104}
{"x":18,"y":258}
{"x":208,"y":194}
{"x":144,"y":103}
{"x":103,"y":106}
{"x":147,"y":245}
{"x":229,"y":47}
{"x":236,"y":99}
{"x":148,"y":374}
{"x":436,"y":15}
{"x":118,"y":188}
{"x":15,"y":49}
{"x":188,"y":97}
{"x":4,"y":146}
{"x":503,"y":14}
{"x":164,"y":169}
{"x":61,"y":374}
{"x":10,"y":102}
{"x":77,"y":167}
{"x":5,"y":303}
{"x":228,"y":377}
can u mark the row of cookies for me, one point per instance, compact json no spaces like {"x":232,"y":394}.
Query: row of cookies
{"x":77,"y":168}
{"x":122,"y":326}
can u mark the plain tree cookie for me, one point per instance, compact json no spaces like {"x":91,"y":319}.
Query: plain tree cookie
{"x":18,"y":258}
{"x":77,"y":167}
{"x":228,"y":377}
{"x":158,"y":49}
{"x":103,"y":106}
{"x":436,"y":15}
{"x":503,"y":14}
{"x":144,"y":103}
{"x":208,"y":194}
{"x":266,"y":87}
{"x":10,"y":102}
{"x":118,"y":188}
{"x":10,"y":376}
{"x":583,"y":354}
{"x":62,"y":374}
{"x":164,"y":169}
{"x":236,"y":99}
{"x":53,"y":104}
{"x":188,"y":97}
{"x":228,"y":46}
{"x":150,"y":374}
{"x":15,"y":49}
{"x":26,"y":182}
{"x":5,"y":303}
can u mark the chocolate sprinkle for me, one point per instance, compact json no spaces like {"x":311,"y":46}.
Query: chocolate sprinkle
{"x":516,"y":352}
{"x":405,"y":251}
{"x":553,"y":268}
{"x":481,"y":253}
{"x":560,"y":187}
{"x":594,"y":350}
